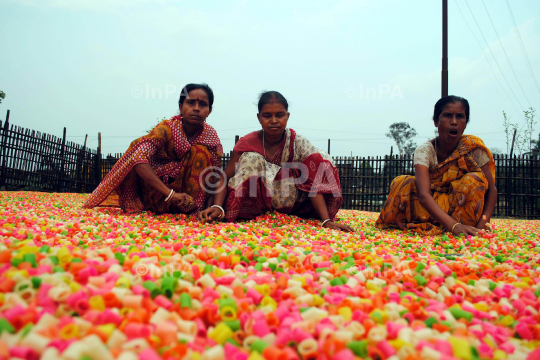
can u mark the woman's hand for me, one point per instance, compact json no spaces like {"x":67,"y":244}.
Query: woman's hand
{"x":182,"y":199}
{"x":337,"y":226}
{"x":210,"y":214}
{"x":483,"y":224}
{"x":465,"y":230}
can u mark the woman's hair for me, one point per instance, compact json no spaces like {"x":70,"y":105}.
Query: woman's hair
{"x":439,"y":106}
{"x":186,"y":89}
{"x":271,"y":97}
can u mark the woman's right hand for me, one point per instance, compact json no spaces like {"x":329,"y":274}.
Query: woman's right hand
{"x":465,"y":230}
{"x":337,"y":226}
{"x":182,"y":199}
{"x":210,"y":214}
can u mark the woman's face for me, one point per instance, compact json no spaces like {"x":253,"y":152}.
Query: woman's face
{"x":452,"y":122}
{"x":273,"y":118}
{"x":196,"y":107}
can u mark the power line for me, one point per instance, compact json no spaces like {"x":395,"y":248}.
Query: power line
{"x":505,"y":54}
{"x":337,"y":131}
{"x":494,"y":59}
{"x":522,"y":46}
{"x":487,"y":59}
{"x":245,"y":128}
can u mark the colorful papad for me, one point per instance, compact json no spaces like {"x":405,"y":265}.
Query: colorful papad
{"x":458,"y":185}
{"x":177,"y":161}
{"x":283,"y":182}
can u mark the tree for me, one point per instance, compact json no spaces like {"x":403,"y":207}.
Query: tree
{"x":523,"y":142}
{"x":508,"y":129}
{"x":530,"y":124}
{"x":402,"y":133}
{"x":2,"y":96}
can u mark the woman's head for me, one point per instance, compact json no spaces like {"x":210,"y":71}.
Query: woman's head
{"x":273,"y":112}
{"x":451,"y":99}
{"x":189,"y":87}
{"x":450,"y":116}
{"x":195,"y":103}
{"x":272,"y":97}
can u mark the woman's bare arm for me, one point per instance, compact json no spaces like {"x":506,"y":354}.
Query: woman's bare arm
{"x":211,"y":213}
{"x":148,"y":175}
{"x":426,"y":200}
{"x":320,"y":207}
{"x":490,"y":198}
{"x":229,"y":172}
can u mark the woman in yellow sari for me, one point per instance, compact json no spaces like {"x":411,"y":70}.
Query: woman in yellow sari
{"x":454,"y":187}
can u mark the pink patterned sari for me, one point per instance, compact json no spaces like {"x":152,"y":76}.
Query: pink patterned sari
{"x":284,"y":182}
{"x":177,"y":161}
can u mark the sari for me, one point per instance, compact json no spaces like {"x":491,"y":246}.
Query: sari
{"x":458,"y":186}
{"x":178,"y":161}
{"x":283,"y":182}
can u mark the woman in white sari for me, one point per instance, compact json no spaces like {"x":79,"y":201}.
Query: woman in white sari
{"x":277,"y":169}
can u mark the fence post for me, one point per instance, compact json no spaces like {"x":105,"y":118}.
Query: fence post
{"x":4,"y":140}
{"x":59,"y":187}
{"x":97,"y":162}
{"x":512,"y":147}
{"x":80,"y":160}
{"x":384,"y":175}
{"x":236,"y":138}
{"x":328,"y":146}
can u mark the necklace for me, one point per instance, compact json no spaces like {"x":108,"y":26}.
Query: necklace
{"x":264,"y":150}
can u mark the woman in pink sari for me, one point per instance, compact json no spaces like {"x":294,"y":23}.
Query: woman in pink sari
{"x":276,"y":169}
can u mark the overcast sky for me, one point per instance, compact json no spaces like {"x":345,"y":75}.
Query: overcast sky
{"x":116,"y":66}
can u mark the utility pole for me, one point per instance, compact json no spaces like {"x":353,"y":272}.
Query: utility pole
{"x":444,"y":73}
{"x":97,"y":162}
{"x":512,"y":147}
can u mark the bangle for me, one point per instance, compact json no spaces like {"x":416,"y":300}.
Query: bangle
{"x":325,"y":221}
{"x":220,"y":208}
{"x":168,"y":198}
{"x":452,"y":231}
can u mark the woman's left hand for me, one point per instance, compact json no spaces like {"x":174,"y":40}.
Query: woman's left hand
{"x":182,"y":199}
{"x":210,"y":214}
{"x":337,"y":226}
{"x":483,"y":226}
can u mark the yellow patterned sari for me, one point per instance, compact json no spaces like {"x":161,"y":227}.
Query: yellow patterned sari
{"x":458,"y":185}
